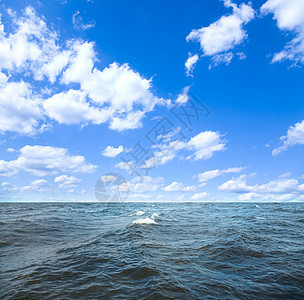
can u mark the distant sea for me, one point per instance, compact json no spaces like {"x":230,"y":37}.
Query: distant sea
{"x":152,"y":251}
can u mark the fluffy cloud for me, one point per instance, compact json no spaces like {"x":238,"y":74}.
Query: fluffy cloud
{"x":19,"y":109}
{"x":178,"y":187}
{"x":272,"y":189}
{"x":237,"y":185}
{"x":289,"y":15}
{"x":208,"y":175}
{"x":117,"y":94}
{"x":112,"y":151}
{"x":183,"y":97}
{"x":190,"y":64}
{"x":45,"y":160}
{"x":36,"y":186}
{"x":295,"y":136}
{"x":143,"y":184}
{"x":224,"y":34}
{"x":119,"y":87}
{"x":199,"y":196}
{"x":72,"y":107}
{"x":65,"y":181}
{"x":202,"y":146}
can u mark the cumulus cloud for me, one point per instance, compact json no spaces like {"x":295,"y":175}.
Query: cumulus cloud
{"x":144,"y":184}
{"x":289,"y":15}
{"x":112,"y":151}
{"x":45,"y":160}
{"x":208,"y":175}
{"x":237,"y":185}
{"x":199,"y":196}
{"x":294,"y":136}
{"x":20,"y":110}
{"x":35,"y":186}
{"x":72,"y":107}
{"x":179,"y":187}
{"x":65,"y":181}
{"x":38,"y":185}
{"x":117,"y":94}
{"x":219,"y":38}
{"x":272,"y":189}
{"x":203,"y":146}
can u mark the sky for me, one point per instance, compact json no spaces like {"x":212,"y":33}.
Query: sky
{"x":152,"y":101}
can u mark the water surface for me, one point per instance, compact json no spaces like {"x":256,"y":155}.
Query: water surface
{"x":165,"y":251}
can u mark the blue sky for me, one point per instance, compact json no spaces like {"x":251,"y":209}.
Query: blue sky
{"x":82,"y":83}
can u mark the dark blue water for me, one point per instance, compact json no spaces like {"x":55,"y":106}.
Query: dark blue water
{"x":186,"y":251}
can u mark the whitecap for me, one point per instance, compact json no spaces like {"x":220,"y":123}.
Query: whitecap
{"x":146,"y":220}
{"x":143,"y":221}
{"x":137,"y":213}
{"x":154,"y":216}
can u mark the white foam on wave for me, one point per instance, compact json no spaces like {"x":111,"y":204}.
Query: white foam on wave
{"x":153,"y":216}
{"x":137,"y":213}
{"x":146,"y":220}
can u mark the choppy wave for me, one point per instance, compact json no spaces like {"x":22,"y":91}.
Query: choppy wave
{"x":146,"y":220}
{"x":196,"y":251}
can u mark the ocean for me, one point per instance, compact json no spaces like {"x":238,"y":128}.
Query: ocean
{"x":152,"y":251}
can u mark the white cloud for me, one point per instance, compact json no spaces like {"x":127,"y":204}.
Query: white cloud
{"x":285,"y":175}
{"x":112,"y":151}
{"x":289,"y":15}
{"x":248,"y":196}
{"x":199,"y":196}
{"x":183,"y":97}
{"x":19,"y":109}
{"x":224,"y":34}
{"x":237,"y":185}
{"x":295,"y":136}
{"x":272,"y":189}
{"x":45,"y":160}
{"x":126,"y":166}
{"x":72,"y":107}
{"x":117,"y":94}
{"x":127,"y":94}
{"x":36,"y":186}
{"x":65,"y":181}
{"x":190,"y":64}
{"x":208,"y":175}
{"x":144,"y":184}
{"x":279,"y":186}
{"x":221,"y":58}
{"x":178,"y":187}
{"x":78,"y":22}
{"x":202,"y":146}
{"x":107,"y":178}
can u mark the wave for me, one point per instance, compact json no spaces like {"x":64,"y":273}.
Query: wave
{"x":138,"y":213}
{"x":146,"y":220}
